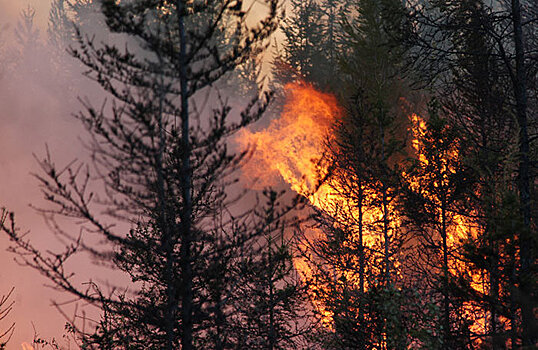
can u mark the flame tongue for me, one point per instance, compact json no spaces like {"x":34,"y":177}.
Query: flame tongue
{"x":290,"y":148}
{"x":292,"y":144}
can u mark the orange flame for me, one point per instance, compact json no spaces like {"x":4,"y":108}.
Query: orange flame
{"x":291,"y":148}
{"x":458,"y":230}
{"x":291,"y":145}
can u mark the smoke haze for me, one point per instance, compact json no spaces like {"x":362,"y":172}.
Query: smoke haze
{"x":39,"y":85}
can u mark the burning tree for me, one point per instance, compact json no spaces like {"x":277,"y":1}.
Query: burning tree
{"x":478,"y":55}
{"x":166,"y":172}
{"x":437,"y":184}
{"x":475,"y":278}
{"x":362,"y":247}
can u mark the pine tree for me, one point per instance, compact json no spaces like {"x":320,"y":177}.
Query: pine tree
{"x":166,"y":171}
{"x":26,"y":32}
{"x":302,"y":50}
{"x":374,"y":90}
{"x":313,"y":43}
{"x":480,"y":106}
{"x":356,"y":281}
{"x":273,"y":313}
{"x":436,"y":189}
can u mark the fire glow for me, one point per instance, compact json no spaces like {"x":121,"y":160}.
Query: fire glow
{"x":292,"y":147}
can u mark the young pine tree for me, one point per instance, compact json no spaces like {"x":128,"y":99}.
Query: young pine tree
{"x":354,"y":259}
{"x":272,"y":297}
{"x":435,"y":194}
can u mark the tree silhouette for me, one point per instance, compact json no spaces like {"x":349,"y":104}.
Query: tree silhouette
{"x":166,"y":172}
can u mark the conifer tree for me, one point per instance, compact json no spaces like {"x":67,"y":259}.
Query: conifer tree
{"x":272,"y":313}
{"x":479,"y":107}
{"x":436,"y":189}
{"x":313,"y":43}
{"x":166,"y":172}
{"x":352,"y":260}
{"x":375,"y":90}
{"x":302,"y":50}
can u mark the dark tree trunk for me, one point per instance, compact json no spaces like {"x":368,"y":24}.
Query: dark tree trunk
{"x":386,"y":236}
{"x":494,"y":296}
{"x":167,"y":232}
{"x":272,"y":335}
{"x":186,"y":234}
{"x":361,"y":252}
{"x":529,"y":337}
{"x":446,"y":302}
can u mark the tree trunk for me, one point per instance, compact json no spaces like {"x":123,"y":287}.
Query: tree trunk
{"x":166,"y":229}
{"x":386,"y":237}
{"x":494,"y":296}
{"x":446,"y":305}
{"x":186,"y":234}
{"x":272,"y":335}
{"x":361,"y":253}
{"x":529,"y":337}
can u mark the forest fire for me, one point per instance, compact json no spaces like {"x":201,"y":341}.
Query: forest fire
{"x":458,"y":229}
{"x":387,"y":203}
{"x":292,"y":148}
